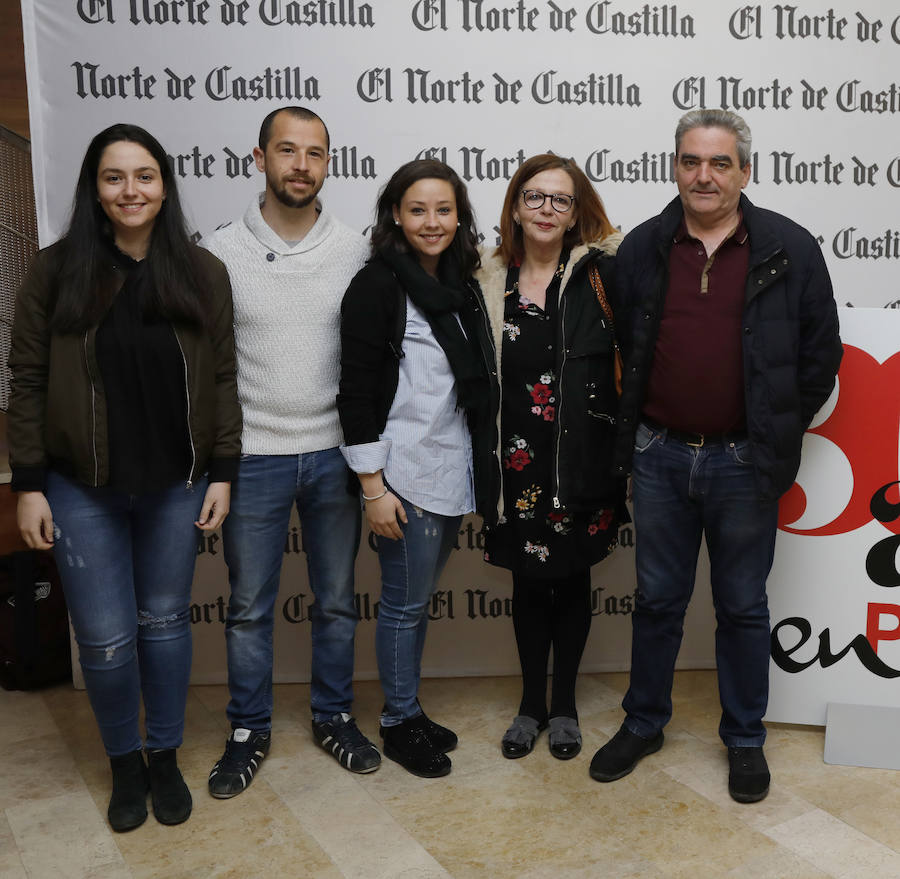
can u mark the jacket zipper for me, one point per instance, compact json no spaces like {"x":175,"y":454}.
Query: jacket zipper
{"x":187,"y":400}
{"x":559,"y":386}
{"x":488,"y":334}
{"x":87,"y":365}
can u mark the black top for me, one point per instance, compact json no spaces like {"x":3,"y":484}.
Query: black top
{"x":143,"y":374}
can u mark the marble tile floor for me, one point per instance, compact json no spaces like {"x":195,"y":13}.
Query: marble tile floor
{"x":536,"y":817}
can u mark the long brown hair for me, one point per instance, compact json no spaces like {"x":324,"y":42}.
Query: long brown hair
{"x":591,"y":224}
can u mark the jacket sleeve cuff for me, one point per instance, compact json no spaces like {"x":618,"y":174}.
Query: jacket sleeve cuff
{"x":223,"y":469}
{"x":29,"y":479}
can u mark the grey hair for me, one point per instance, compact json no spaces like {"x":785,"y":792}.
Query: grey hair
{"x":716,"y":119}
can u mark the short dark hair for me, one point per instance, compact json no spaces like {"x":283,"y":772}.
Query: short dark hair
{"x":591,"y":224}
{"x":265,"y":130}
{"x":178,"y":286}
{"x":387,"y":235}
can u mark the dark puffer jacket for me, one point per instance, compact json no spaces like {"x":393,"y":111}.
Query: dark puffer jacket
{"x":791,"y":345}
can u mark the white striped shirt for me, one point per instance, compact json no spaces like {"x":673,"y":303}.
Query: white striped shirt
{"x":425,"y":450}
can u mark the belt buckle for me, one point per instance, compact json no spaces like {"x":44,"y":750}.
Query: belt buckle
{"x":697,"y":445}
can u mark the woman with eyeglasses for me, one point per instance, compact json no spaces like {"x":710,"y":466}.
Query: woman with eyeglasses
{"x":546,"y":289}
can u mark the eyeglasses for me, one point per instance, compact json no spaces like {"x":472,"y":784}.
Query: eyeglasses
{"x":535,"y":199}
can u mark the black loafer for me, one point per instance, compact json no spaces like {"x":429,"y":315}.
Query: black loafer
{"x":748,"y":775}
{"x":518,"y":740}
{"x":565,"y":738}
{"x":621,"y":753}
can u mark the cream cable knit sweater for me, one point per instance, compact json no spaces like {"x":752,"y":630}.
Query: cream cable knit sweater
{"x":287,"y":328}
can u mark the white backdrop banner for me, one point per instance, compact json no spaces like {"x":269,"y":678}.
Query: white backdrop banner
{"x":483,"y":85}
{"x":833,"y":589}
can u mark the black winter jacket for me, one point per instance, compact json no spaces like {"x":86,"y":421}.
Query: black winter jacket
{"x":370,"y":370}
{"x":586,"y":411}
{"x":791,"y":346}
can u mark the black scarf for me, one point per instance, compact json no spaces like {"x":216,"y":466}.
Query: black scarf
{"x":440,"y":300}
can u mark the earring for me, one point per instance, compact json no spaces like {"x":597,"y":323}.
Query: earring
{"x":516,"y":220}
{"x":571,"y":226}
{"x":458,"y":224}
{"x":396,"y":222}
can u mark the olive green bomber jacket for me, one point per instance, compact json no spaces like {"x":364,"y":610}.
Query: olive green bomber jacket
{"x":57,"y":409}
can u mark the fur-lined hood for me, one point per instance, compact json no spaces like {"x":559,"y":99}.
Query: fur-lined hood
{"x":492,"y":274}
{"x":492,"y":279}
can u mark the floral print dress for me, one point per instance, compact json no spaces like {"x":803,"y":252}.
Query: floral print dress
{"x":532,"y":538}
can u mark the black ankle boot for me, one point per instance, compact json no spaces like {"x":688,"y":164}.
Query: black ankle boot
{"x":442,"y":738}
{"x":409,"y":744}
{"x":171,"y":798}
{"x":128,"y":803}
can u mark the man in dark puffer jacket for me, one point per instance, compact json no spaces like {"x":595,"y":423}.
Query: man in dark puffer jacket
{"x":728,"y":323}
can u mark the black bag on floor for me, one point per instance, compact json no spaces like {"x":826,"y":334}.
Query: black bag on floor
{"x":34,"y":622}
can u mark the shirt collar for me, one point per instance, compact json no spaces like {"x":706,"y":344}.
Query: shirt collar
{"x":739,"y":233}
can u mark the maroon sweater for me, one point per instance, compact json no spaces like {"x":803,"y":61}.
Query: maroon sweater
{"x":697,"y":377}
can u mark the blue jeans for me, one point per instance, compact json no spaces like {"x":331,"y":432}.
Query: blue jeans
{"x":682,"y":492}
{"x":254,"y":539}
{"x":126,"y":564}
{"x":410,"y":568}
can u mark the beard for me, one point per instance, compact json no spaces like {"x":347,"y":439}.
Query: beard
{"x":280,"y":191}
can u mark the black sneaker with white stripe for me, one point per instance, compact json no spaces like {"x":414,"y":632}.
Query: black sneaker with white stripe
{"x":244,"y":752}
{"x":341,"y":737}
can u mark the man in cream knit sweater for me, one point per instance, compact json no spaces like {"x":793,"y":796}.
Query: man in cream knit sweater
{"x":290,"y":262}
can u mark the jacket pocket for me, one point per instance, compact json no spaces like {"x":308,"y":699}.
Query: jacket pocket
{"x":591,"y":361}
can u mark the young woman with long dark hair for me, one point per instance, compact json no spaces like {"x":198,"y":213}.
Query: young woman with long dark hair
{"x":415,"y":383}
{"x":124,"y":433}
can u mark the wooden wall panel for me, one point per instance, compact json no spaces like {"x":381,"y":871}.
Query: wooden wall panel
{"x":13,"y":93}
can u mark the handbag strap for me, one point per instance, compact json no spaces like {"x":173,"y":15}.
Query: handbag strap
{"x":597,"y":285}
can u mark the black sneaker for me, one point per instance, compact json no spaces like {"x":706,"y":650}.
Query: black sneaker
{"x":244,"y":752}
{"x":342,"y":738}
{"x":748,"y":774}
{"x":621,"y":753}
{"x":409,"y":744}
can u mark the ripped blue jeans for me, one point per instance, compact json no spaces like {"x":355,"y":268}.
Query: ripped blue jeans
{"x":410,"y":568}
{"x":126,"y":564}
